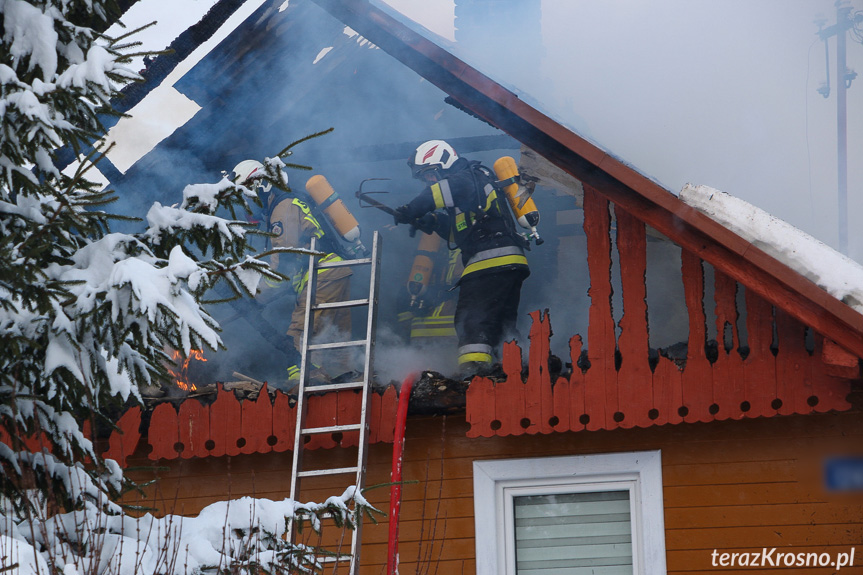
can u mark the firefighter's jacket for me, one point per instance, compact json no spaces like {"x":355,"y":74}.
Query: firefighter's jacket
{"x":293,"y":223}
{"x":474,"y":217}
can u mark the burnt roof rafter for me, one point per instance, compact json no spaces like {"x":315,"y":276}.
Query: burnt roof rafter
{"x":619,"y":183}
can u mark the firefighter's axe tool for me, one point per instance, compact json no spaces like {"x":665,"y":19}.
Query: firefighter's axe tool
{"x":371,"y":202}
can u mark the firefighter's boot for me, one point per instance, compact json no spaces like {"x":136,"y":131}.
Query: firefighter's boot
{"x":471,"y":368}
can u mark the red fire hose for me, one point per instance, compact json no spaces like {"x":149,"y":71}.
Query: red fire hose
{"x":396,"y":475}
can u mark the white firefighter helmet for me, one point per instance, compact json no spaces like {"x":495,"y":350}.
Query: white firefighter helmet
{"x":431,"y":158}
{"x":251,"y":173}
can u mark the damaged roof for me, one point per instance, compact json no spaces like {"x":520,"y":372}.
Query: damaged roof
{"x":620,"y":183}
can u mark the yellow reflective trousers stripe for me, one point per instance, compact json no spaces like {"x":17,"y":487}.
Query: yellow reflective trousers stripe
{"x":433,"y":326}
{"x":433,"y":332}
{"x":494,"y":262}
{"x":478,"y":357}
{"x":300,"y":282}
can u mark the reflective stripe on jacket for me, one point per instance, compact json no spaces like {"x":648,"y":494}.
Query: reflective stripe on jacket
{"x":309,"y":217}
{"x":477,"y":217}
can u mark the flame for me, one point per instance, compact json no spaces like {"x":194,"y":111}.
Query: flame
{"x":181,"y":374}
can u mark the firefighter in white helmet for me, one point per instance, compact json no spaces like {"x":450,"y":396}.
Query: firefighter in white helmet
{"x":293,"y":223}
{"x":460,"y":202}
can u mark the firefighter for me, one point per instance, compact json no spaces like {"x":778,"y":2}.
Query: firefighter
{"x":293,"y":223}
{"x":430,"y":314}
{"x":460,"y":202}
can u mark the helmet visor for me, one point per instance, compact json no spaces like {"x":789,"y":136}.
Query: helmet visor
{"x":429,"y":174}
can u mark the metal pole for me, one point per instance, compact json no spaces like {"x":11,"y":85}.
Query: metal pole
{"x":842,"y":17}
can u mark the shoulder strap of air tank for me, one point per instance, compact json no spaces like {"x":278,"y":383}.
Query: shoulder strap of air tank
{"x":502,"y":184}
{"x":504,"y":208}
{"x":329,"y":241}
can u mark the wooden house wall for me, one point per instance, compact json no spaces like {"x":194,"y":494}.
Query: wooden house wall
{"x":728,"y":485}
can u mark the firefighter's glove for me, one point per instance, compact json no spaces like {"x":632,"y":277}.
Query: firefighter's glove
{"x":401,"y":216}
{"x":426,"y":224}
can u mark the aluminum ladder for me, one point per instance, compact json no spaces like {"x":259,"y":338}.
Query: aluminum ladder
{"x":365,"y":385}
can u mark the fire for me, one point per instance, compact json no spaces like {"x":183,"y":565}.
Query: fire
{"x":181,"y":373}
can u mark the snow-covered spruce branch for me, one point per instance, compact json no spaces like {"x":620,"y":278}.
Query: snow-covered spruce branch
{"x":87,"y":316}
{"x":245,"y":535}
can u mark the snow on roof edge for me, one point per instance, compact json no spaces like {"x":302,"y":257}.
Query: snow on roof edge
{"x":837,"y":274}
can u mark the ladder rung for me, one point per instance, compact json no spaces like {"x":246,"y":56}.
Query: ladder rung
{"x":334,"y":558}
{"x":341,"y":304}
{"x":337,"y":344}
{"x":333,"y":471}
{"x":327,"y":515}
{"x":331,"y":429}
{"x":343,"y":263}
{"x":334,"y":386}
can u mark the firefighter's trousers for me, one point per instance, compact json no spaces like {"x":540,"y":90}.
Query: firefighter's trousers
{"x":332,"y":324}
{"x":487,"y":312}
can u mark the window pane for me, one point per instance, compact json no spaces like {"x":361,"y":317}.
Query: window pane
{"x":573,"y":533}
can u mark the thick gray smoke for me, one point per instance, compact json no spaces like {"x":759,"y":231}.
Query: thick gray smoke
{"x":282,"y":76}
{"x":286,"y":74}
{"x":728,"y":94}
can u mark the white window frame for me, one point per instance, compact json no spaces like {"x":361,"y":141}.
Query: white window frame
{"x":496,"y":482}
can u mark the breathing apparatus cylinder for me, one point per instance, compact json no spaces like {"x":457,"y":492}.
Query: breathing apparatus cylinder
{"x":421,"y":271}
{"x":329,"y":202}
{"x":527,"y":215}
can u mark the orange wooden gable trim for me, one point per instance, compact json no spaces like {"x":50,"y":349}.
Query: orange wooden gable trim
{"x":230,"y":426}
{"x":792,"y":382}
{"x":620,"y":388}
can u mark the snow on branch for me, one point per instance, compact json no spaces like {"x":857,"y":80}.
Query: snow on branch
{"x":239,"y":535}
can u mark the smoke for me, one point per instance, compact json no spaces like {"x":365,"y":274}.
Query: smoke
{"x":395,"y":359}
{"x":721,"y":93}
{"x":286,"y":74}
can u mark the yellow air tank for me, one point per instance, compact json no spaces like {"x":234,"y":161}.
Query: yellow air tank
{"x":330,"y":203}
{"x":526,"y":213}
{"x":421,"y":271}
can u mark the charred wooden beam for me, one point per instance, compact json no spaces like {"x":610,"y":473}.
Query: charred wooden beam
{"x":435,"y":394}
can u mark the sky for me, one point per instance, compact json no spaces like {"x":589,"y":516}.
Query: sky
{"x":165,"y":109}
{"x":713,"y":93}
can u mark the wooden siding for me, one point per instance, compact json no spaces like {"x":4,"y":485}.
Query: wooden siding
{"x":790,"y":381}
{"x":734,"y":486}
